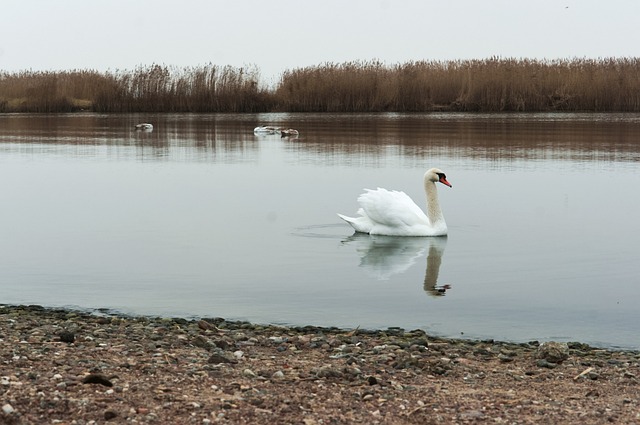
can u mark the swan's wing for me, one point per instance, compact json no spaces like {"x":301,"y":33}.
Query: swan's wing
{"x":391,"y":208}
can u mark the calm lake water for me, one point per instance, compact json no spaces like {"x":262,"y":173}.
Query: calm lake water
{"x":202,"y":218}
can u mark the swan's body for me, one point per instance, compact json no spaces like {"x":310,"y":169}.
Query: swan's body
{"x":266,"y":129}
{"x":144,"y":126}
{"x":393,"y":213}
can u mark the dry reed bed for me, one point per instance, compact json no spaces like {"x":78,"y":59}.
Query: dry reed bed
{"x":490,"y":85}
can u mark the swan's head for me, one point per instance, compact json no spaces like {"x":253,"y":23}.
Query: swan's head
{"x":436,"y":175}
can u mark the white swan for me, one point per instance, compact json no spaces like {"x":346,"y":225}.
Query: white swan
{"x":393,"y":213}
{"x":266,"y":129}
{"x":289,"y":132}
{"x":144,"y":126}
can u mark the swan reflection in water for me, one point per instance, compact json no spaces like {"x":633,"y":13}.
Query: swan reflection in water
{"x":384,"y":256}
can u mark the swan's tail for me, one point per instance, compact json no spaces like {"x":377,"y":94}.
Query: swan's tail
{"x":349,"y":220}
{"x":356,"y":223}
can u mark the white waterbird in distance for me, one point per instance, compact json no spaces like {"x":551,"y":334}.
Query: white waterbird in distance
{"x":266,"y":129}
{"x":289,"y":132}
{"x":144,"y":126}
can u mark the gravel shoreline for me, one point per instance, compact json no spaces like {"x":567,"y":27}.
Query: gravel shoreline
{"x":69,"y":367}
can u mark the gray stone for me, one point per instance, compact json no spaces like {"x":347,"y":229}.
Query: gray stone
{"x":554,"y":352}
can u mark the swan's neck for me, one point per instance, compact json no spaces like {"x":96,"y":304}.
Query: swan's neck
{"x":434,"y":213}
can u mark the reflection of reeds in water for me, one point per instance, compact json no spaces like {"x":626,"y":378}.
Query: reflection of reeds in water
{"x":373,"y":139}
{"x":351,"y":139}
{"x":192,"y":137}
{"x":489,"y":85}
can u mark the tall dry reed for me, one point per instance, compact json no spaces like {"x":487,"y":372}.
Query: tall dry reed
{"x":489,"y":85}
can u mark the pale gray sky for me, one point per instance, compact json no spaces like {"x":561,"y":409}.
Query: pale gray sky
{"x":276,"y":35}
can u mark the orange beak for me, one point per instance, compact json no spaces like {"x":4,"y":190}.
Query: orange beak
{"x":445,"y":182}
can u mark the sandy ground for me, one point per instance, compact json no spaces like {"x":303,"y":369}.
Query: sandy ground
{"x":66,"y":367}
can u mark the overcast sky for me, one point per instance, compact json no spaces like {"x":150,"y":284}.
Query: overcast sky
{"x":276,"y":35}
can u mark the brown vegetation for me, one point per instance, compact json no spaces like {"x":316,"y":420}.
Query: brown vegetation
{"x":155,"y":88}
{"x":491,"y":85}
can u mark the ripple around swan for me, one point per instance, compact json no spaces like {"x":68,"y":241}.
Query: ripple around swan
{"x":322,"y":231}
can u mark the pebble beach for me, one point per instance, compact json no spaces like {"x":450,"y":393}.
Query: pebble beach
{"x":70,"y":367}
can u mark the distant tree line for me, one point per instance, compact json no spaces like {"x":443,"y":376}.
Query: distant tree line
{"x":489,"y":85}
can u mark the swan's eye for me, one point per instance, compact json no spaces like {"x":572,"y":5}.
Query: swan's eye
{"x":441,"y":176}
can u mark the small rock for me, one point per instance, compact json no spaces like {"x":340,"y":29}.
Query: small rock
{"x":545,"y":363}
{"x":421,"y":342}
{"x":472,"y":415}
{"x":353,"y":371}
{"x":239,"y":336}
{"x":504,"y":358}
{"x":67,"y":337}
{"x":202,"y":342}
{"x":8,"y":409}
{"x":554,"y":352}
{"x":223,"y":344}
{"x":96,"y":378}
{"x":593,"y":375}
{"x":278,"y":375}
{"x":482,"y":351}
{"x":249,"y":373}
{"x":221,"y":357}
{"x":578,"y":346}
{"x":109,"y":414}
{"x":328,"y":372}
{"x":509,"y":353}
{"x":205,"y":326}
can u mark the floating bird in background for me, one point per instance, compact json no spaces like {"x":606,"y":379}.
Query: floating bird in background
{"x":144,"y":126}
{"x":289,"y":132}
{"x":266,"y":129}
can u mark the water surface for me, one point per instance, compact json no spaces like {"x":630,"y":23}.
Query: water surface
{"x":203,"y":218}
